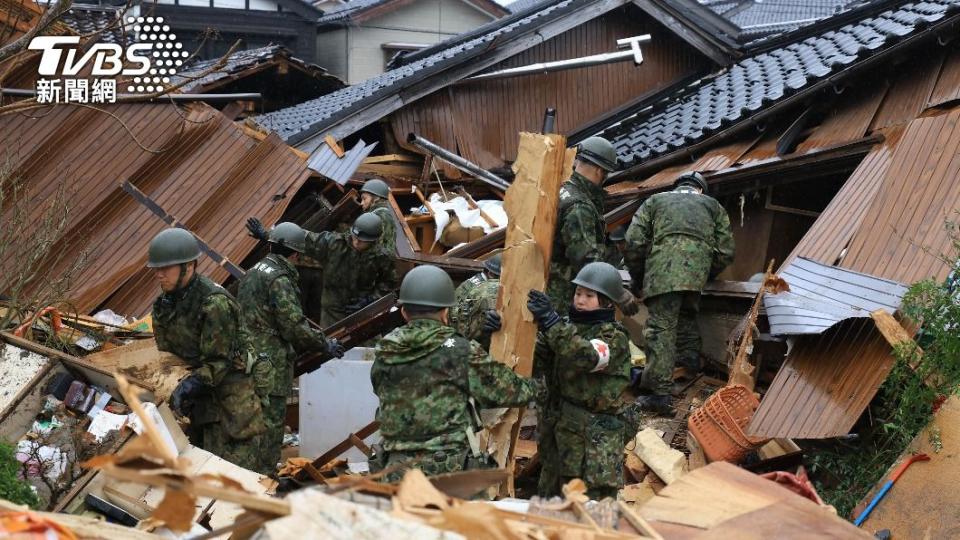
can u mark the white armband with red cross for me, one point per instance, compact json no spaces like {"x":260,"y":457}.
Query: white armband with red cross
{"x":603,"y":354}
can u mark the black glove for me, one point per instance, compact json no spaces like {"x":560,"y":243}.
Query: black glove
{"x":334,"y":348}
{"x":257,"y":230}
{"x":628,"y":304}
{"x":539,"y":304}
{"x":491,"y":321}
{"x":360,"y":303}
{"x":181,"y":400}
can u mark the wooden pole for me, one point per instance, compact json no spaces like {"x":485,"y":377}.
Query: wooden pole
{"x":543,"y":162}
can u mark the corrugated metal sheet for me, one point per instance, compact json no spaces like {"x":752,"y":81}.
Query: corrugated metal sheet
{"x":195,"y":163}
{"x":830,"y":234}
{"x":505,"y":107}
{"x":339,"y":169}
{"x":903,"y":228}
{"x":948,"y":85}
{"x":821,"y":296}
{"x":825,"y":383}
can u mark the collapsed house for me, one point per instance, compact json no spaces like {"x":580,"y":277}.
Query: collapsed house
{"x":830,"y":142}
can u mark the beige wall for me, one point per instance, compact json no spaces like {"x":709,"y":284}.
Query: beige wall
{"x":423,"y":22}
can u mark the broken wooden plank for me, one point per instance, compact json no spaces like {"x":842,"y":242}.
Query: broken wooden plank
{"x":890,"y":328}
{"x":637,"y":521}
{"x":341,"y":447}
{"x":531,"y":203}
{"x":345,"y":210}
{"x":406,"y":241}
{"x":334,"y":145}
{"x":387,"y":158}
{"x":667,"y":463}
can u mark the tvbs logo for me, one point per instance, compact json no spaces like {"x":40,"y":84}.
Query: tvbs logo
{"x":144,"y":67}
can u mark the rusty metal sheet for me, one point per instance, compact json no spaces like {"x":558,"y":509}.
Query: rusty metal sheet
{"x":194,"y":162}
{"x":903,"y":229}
{"x":948,"y":85}
{"x":821,"y":296}
{"x":825,"y":383}
{"x":830,"y":234}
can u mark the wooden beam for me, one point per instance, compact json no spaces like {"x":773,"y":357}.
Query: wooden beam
{"x":340,"y":448}
{"x":531,"y":203}
{"x":403,"y":228}
{"x":334,"y":145}
{"x":892,"y":330}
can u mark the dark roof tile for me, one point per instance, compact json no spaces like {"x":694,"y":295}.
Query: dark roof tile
{"x":754,"y":83}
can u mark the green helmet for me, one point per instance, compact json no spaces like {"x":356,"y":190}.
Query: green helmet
{"x":427,"y":285}
{"x":601,"y":277}
{"x":619,"y":234}
{"x":172,"y":246}
{"x":367,"y":227}
{"x":376,"y":187}
{"x":289,"y":235}
{"x":693,"y":178}
{"x":492,"y":265}
{"x":598,"y":151}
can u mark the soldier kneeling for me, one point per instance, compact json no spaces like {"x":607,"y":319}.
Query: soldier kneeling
{"x":428,"y":377}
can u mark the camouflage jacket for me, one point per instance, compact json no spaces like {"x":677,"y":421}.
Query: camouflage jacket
{"x":275,"y":325}
{"x":388,"y":238}
{"x":424,"y":374}
{"x":590,"y":362}
{"x":677,"y":241}
{"x":200,"y":323}
{"x":348,"y":274}
{"x":579,"y":237}
{"x":468,"y":314}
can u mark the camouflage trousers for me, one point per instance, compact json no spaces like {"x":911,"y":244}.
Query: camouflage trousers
{"x":213,"y":438}
{"x":549,"y":483}
{"x":431,"y":463}
{"x":672,"y":338}
{"x":274,"y":415}
{"x":590,"y":446}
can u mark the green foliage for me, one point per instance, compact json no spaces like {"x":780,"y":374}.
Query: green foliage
{"x":845,"y":471}
{"x":12,"y":487}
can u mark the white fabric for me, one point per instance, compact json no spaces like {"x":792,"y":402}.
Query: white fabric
{"x":468,"y":217}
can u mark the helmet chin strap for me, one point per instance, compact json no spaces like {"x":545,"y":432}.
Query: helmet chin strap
{"x":183,"y":273}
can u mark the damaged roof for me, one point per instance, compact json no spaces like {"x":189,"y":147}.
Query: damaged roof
{"x":87,"y":19}
{"x":821,"y":296}
{"x":322,"y":115}
{"x":357,"y":10}
{"x":239,"y":62}
{"x":755,"y":84}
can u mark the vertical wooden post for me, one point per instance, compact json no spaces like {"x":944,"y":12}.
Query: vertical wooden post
{"x":543,"y":162}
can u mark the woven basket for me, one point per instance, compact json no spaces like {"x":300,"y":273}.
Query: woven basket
{"x":720,"y":423}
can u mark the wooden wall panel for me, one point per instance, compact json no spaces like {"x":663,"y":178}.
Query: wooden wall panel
{"x":489,"y":115}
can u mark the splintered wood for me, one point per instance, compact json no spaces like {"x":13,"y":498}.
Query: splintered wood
{"x":543,"y":161}
{"x":742,"y":371}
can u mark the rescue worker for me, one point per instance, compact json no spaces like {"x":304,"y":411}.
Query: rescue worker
{"x":277,"y":331}
{"x":616,"y":246}
{"x":374,"y":197}
{"x":428,"y":377}
{"x":586,"y":358}
{"x":197,"y":320}
{"x":581,"y":230}
{"x":676,"y":241}
{"x":356,"y":272}
{"x":474,"y":297}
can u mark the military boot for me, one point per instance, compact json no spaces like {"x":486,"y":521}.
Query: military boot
{"x":657,"y":404}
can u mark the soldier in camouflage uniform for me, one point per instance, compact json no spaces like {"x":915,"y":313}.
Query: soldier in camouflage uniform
{"x":675,"y":243}
{"x":198,"y":320}
{"x":586,"y":357}
{"x":427,"y":376}
{"x":616,"y":245}
{"x":356,"y":271}
{"x":579,"y":235}
{"x":474,"y":298}
{"x":277,"y":331}
{"x":374,"y":197}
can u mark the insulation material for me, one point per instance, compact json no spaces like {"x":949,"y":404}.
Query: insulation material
{"x":17,"y":368}
{"x":468,"y":217}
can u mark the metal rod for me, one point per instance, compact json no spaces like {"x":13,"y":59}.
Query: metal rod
{"x":572,"y":63}
{"x":549,"y":121}
{"x":247,"y":96}
{"x":458,"y":162}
